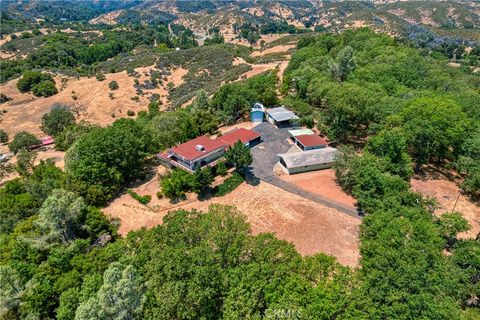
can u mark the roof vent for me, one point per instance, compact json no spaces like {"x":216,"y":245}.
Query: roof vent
{"x":199,"y":147}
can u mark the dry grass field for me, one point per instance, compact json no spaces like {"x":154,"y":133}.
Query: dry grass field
{"x":449,"y":198}
{"x":311,"y":227}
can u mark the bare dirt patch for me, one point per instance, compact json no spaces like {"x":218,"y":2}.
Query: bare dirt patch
{"x":25,"y":111}
{"x":321,"y":182}
{"x":449,"y":198}
{"x":48,"y":153}
{"x":311,"y":227}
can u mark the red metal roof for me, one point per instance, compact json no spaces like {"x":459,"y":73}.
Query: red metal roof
{"x":47,"y":140}
{"x":311,"y":140}
{"x":241,"y":134}
{"x":188,"y":150}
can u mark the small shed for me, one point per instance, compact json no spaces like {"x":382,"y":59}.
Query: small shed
{"x":257,"y":114}
{"x":282,"y":117}
{"x":310,"y":142}
{"x":310,"y":160}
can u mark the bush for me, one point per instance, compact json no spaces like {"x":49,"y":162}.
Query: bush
{"x":176,"y":184}
{"x":100,"y":76}
{"x":4,"y":98}
{"x":230,"y":184}
{"x":32,"y":78}
{"x":3,"y":136}
{"x":221,"y":168}
{"x":130,"y":113}
{"x":113,"y":85}
{"x":44,"y":89}
{"x":54,"y":122}
{"x":23,"y":140}
{"x":142,"y":199}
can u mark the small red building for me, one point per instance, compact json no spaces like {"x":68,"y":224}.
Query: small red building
{"x":310,"y":142}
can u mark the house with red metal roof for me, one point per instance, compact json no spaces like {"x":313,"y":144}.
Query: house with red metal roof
{"x":203,"y":150}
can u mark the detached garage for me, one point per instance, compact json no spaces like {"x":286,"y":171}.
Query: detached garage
{"x":310,"y":142}
{"x":310,"y":160}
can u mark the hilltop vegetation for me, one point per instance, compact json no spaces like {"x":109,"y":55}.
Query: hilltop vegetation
{"x":61,"y":258}
{"x":394,"y":106}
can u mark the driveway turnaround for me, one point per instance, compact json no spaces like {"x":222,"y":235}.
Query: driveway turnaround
{"x":275,"y":141}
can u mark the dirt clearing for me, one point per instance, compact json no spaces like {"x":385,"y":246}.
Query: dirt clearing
{"x":321,"y":182}
{"x":446,"y":193}
{"x":311,"y":227}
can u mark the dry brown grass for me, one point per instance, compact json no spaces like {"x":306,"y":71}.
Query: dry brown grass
{"x":311,"y":227}
{"x":25,"y":111}
{"x":446,"y":193}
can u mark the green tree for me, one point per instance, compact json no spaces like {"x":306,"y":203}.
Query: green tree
{"x":3,"y":136}
{"x":59,"y":218}
{"x":391,"y":144}
{"x":25,"y":162}
{"x":12,"y":288}
{"x":469,"y":164}
{"x":202,"y":179}
{"x":23,"y":140}
{"x":121,"y":296}
{"x":71,"y":134}
{"x":45,"y":88}
{"x":433,"y":127}
{"x":344,"y":64}
{"x":176,"y":184}
{"x":239,"y":156}
{"x":451,"y":224}
{"x":201,"y":100}
{"x":351,"y":110}
{"x":30,"y":79}
{"x":102,"y":161}
{"x":55,"y":121}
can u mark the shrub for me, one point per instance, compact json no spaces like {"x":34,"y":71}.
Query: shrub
{"x":136,"y":98}
{"x":142,"y":199}
{"x":230,"y":184}
{"x":3,"y":136}
{"x":176,"y":184}
{"x":26,"y":35}
{"x":31,"y":78}
{"x":130,"y":113}
{"x":100,"y":76}
{"x":113,"y":85}
{"x":221,"y":168}
{"x":23,"y":140}
{"x":4,"y":98}
{"x":54,"y":122}
{"x":44,"y":89}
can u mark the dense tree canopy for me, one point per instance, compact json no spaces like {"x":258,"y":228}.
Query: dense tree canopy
{"x":105,"y":159}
